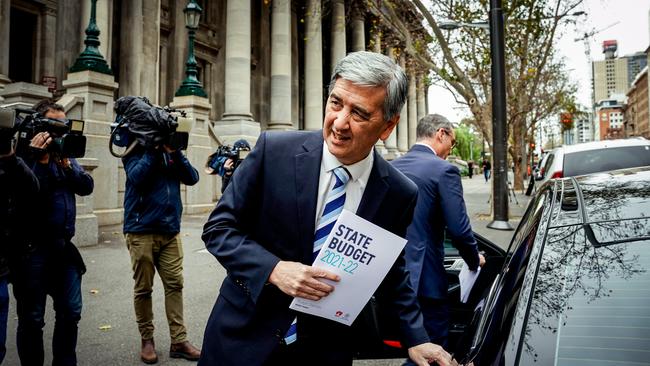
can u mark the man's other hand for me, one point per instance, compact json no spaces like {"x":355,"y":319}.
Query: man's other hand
{"x":229,"y":165}
{"x":41,"y":141}
{"x":427,"y":353}
{"x":299,"y":280}
{"x":481,"y":260}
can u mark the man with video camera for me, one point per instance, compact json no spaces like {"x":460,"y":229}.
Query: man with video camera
{"x":50,"y":264}
{"x":152,"y":219}
{"x":226,"y":159}
{"x":17,"y":185}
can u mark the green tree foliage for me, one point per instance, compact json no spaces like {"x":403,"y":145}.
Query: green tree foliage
{"x":537,"y":85}
{"x":467,"y":140}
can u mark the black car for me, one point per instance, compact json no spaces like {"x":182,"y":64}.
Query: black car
{"x":573,"y":288}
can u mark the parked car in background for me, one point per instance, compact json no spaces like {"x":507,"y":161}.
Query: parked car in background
{"x":573,"y":286}
{"x":593,"y":157}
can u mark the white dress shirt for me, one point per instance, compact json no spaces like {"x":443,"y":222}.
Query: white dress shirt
{"x":360,"y":172}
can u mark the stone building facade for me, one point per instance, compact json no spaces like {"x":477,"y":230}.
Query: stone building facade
{"x":264,"y":64}
{"x":636,"y":110}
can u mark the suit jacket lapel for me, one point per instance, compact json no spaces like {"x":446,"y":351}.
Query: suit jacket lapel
{"x":307,"y":175}
{"x":376,"y":189}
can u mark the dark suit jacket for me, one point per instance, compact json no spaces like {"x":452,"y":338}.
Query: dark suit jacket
{"x":440,"y":206}
{"x":267,"y":214}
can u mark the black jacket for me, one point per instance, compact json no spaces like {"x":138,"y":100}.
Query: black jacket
{"x":17,"y":186}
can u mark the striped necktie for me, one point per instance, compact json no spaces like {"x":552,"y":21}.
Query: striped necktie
{"x":333,"y":208}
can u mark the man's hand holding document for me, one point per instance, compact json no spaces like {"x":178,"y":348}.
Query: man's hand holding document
{"x":361,"y":253}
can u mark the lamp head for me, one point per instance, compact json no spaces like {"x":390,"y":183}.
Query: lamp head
{"x":192,"y":15}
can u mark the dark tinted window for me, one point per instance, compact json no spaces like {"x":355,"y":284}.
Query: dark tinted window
{"x":590,"y":304}
{"x":547,"y":164}
{"x":613,"y":158}
{"x":500,"y":306}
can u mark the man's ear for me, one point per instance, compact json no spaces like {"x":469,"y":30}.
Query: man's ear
{"x":388,"y":128}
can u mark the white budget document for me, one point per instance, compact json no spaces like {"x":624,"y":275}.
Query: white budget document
{"x":467,"y":279}
{"x":361,"y":253}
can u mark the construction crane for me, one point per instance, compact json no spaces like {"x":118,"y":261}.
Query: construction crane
{"x":586,"y":37}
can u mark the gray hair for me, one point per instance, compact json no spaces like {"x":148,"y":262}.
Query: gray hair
{"x":430,"y":124}
{"x":373,"y":70}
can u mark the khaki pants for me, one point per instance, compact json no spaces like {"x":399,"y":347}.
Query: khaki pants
{"x":164,"y":253}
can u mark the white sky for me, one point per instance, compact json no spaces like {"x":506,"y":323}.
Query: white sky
{"x":632,"y":33}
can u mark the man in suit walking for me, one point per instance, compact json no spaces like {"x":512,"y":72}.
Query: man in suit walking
{"x":440,"y":208}
{"x":263,"y":229}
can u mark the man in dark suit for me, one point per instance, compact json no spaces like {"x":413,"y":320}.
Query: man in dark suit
{"x":263,"y":229}
{"x":440,"y":207}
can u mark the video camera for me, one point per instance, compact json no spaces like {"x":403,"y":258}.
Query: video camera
{"x":237,"y":153}
{"x":138,"y":122}
{"x":67,"y":136}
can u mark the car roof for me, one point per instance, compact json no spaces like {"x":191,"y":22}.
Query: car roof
{"x":621,"y":196}
{"x":604,"y":144}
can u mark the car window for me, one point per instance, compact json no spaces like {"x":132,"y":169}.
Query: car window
{"x":547,"y":164}
{"x":498,"y":308}
{"x":589,"y":304}
{"x":601,"y":160}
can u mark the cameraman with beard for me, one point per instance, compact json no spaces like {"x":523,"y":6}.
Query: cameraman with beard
{"x":50,"y":264}
{"x":17,"y":185}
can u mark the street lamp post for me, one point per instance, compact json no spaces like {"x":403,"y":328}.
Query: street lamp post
{"x":91,"y":59}
{"x":191,"y":85}
{"x":499,"y":157}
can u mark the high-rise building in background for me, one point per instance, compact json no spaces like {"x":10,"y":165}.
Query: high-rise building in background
{"x":635,"y":64}
{"x":610,"y":75}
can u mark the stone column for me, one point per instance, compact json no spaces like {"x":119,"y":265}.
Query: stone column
{"x":337,"y":35}
{"x":296,"y":82}
{"x":376,"y":47}
{"x":177,"y":48}
{"x":140,"y":49}
{"x":412,"y":109}
{"x":391,"y":141}
{"x":281,"y":66}
{"x":313,"y":67}
{"x":358,"y":27}
{"x":150,"y":59}
{"x":47,"y":35}
{"x":69,"y":36}
{"x":402,"y":127}
{"x":131,"y":47}
{"x":89,"y":96}
{"x":237,"y":120}
{"x":5,"y":11}
{"x":199,"y":197}
{"x":422,"y":111}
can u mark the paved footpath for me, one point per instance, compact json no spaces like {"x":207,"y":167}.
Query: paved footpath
{"x":108,"y":333}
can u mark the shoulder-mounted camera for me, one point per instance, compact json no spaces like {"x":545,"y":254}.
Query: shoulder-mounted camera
{"x":67,"y":136}
{"x":138,"y":122}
